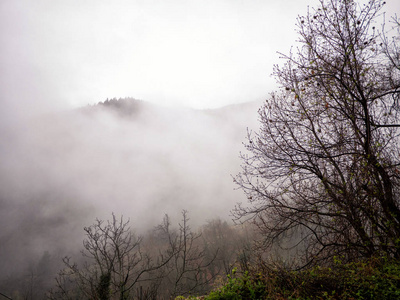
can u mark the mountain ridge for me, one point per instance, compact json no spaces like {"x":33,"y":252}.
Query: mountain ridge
{"x":73,"y":167}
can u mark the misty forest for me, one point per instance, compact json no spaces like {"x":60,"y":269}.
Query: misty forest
{"x":294,"y":197}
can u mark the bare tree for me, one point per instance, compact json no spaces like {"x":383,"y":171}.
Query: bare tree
{"x":231,"y":245}
{"x":187,"y":273}
{"x":219,"y":237}
{"x":115,"y":264}
{"x":322,"y":174}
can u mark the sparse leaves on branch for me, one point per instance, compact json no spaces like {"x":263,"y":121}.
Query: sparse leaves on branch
{"x":324,"y":167}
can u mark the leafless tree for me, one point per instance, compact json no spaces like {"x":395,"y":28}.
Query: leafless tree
{"x":322,"y":174}
{"x":187,"y":272}
{"x":114,"y":265}
{"x":232,"y":246}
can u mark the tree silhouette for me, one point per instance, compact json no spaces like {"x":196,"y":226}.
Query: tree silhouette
{"x":115,"y":264}
{"x":323,"y":171}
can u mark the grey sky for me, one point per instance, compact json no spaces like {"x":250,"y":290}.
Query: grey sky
{"x":209,"y":53}
{"x":60,"y":171}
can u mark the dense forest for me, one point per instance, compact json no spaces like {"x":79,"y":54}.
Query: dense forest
{"x":317,"y":215}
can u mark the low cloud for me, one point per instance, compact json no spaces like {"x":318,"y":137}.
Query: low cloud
{"x":61,"y":171}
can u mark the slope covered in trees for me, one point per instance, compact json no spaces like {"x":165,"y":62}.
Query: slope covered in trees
{"x":60,"y":172}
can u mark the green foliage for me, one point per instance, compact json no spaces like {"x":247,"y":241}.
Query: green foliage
{"x":103,"y":290}
{"x":370,"y":279}
{"x":243,"y":287}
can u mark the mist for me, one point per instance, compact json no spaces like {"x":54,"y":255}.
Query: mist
{"x":61,"y":171}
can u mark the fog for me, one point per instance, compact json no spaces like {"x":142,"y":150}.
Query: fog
{"x":193,"y":53}
{"x":60,"y":171}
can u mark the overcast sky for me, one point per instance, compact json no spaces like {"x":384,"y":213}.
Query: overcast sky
{"x":203,"y":53}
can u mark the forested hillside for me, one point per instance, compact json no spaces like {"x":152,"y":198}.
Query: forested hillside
{"x":61,"y":171}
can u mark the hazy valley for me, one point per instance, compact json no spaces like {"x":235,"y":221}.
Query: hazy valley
{"x":61,"y":171}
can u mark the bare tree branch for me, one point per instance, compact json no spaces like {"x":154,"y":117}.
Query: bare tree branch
{"x":324,"y":165}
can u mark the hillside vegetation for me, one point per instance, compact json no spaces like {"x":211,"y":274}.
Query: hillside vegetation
{"x":370,"y":279}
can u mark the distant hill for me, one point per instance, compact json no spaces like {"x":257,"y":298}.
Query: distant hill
{"x":124,"y":106}
{"x":128,"y":106}
{"x":60,"y":172}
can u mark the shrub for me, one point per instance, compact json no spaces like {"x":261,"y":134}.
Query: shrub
{"x":240,"y":287}
{"x":374,"y":278}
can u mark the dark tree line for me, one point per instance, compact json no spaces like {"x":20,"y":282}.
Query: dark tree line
{"x":323,"y":173}
{"x":165,"y":263}
{"x":115,"y":263}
